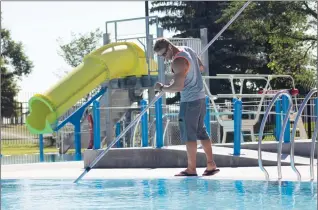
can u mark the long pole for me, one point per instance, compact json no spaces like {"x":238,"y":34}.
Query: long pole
{"x":101,"y":155}
{"x":225,"y":27}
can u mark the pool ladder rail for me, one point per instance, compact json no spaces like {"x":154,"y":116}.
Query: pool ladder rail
{"x":292,"y":141}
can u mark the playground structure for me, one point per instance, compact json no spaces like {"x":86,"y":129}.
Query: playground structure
{"x":123,"y":71}
{"x":116,"y":99}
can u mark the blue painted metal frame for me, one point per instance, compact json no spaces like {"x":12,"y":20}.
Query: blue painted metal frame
{"x":285,"y":104}
{"x":316,"y":107}
{"x":207,"y":115}
{"x":118,"y":130}
{"x":278,"y":118}
{"x":41,"y":144}
{"x":144,"y":125}
{"x":80,"y":111}
{"x":159,"y":126}
{"x":75,"y":119}
{"x":237,"y":126}
{"x":96,"y":126}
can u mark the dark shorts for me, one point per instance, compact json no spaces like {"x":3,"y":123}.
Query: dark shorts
{"x":191,"y":121}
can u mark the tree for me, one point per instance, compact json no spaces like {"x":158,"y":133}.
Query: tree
{"x":74,"y":52}
{"x":81,"y":45}
{"x":185,"y":19}
{"x":229,"y":54}
{"x":14,"y":65}
{"x":253,"y":43}
{"x":287,"y":30}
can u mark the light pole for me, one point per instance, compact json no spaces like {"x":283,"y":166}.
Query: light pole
{"x":146,"y":9}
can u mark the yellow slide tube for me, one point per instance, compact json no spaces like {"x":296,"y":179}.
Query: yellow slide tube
{"x":115,"y":60}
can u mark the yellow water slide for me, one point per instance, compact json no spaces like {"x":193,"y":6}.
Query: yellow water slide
{"x":112,"y":61}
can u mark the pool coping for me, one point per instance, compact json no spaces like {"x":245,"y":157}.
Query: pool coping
{"x":72,"y":169}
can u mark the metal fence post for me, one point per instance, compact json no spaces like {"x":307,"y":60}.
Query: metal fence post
{"x":205,"y":55}
{"x":285,"y":104}
{"x":237,"y":126}
{"x":144,"y":125}
{"x":96,"y":128}
{"x":316,"y":106}
{"x":278,"y":119}
{"x":207,"y":115}
{"x":41,"y":145}
{"x":118,"y":133}
{"x":159,"y":129}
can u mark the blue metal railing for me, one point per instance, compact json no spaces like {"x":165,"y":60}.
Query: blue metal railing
{"x":75,"y":119}
{"x":237,"y":126}
{"x":144,"y":125}
{"x":96,"y":124}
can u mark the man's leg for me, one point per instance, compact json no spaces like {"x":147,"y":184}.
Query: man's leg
{"x":206,"y":143}
{"x":192,"y":157}
{"x":207,"y":147}
{"x":188,"y":124}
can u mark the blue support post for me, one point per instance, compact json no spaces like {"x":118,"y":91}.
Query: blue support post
{"x":77,"y":128}
{"x":159,"y":126}
{"x":117,"y":134}
{"x":278,"y":118}
{"x":285,"y":104}
{"x":237,"y":126}
{"x":96,"y":128}
{"x":41,"y":145}
{"x":233,"y":102}
{"x":207,"y":115}
{"x":144,"y":125}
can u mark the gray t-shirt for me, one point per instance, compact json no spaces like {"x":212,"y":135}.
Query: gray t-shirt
{"x":193,"y":84}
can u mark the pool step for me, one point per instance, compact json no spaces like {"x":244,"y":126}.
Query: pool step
{"x":175,"y":156}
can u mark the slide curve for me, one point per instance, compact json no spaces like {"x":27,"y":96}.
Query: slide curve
{"x":112,"y":61}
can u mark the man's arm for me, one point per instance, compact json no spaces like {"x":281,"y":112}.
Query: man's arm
{"x":180,"y":67}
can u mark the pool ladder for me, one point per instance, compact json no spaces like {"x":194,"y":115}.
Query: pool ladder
{"x":292,"y":143}
{"x":314,"y":137}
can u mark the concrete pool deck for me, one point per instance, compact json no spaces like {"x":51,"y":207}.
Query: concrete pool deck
{"x":71,"y":170}
{"x":176,"y":157}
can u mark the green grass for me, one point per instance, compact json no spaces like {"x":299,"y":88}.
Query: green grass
{"x":21,"y":149}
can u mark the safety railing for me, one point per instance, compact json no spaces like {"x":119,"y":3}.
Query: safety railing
{"x":312,"y":150}
{"x":285,"y":121}
{"x":292,"y":139}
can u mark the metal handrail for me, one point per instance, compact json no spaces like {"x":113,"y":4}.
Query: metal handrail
{"x":279,"y":152}
{"x":292,"y":139}
{"x":312,"y":151}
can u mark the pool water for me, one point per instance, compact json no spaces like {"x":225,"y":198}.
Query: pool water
{"x":178,"y":193}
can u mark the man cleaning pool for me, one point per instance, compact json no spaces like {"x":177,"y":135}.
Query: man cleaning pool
{"x":187,"y":68}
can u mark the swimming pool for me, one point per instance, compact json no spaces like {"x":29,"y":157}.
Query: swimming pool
{"x":178,"y":193}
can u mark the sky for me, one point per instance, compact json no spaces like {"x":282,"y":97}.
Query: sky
{"x":38,"y":25}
